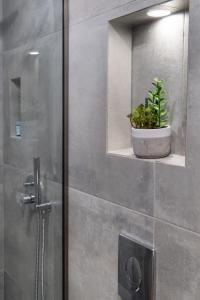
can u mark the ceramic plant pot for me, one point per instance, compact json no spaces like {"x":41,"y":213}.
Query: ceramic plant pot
{"x":152,"y":143}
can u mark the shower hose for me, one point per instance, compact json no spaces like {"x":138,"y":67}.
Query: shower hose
{"x":40,"y":257}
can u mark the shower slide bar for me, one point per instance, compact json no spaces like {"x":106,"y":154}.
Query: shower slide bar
{"x":33,"y":197}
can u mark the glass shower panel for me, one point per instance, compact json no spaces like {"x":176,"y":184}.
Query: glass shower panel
{"x":32,"y":85}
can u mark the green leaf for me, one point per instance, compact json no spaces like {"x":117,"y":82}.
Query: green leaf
{"x":150,"y":96}
{"x":163,"y":124}
{"x":163,"y":113}
{"x":152,"y":114}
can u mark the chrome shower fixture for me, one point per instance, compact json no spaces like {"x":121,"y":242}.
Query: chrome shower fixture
{"x":33,"y":190}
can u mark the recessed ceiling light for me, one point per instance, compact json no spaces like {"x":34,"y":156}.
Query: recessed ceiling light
{"x":158,"y":13}
{"x":34,"y":53}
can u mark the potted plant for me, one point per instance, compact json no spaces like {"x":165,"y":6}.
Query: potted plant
{"x":151,"y":132}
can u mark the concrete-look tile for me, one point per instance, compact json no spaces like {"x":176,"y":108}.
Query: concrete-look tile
{"x":2,"y":295}
{"x":1,"y":128}
{"x":20,"y":233}
{"x":177,"y":188}
{"x":41,"y":106}
{"x":53,"y":242}
{"x":87,"y":97}
{"x":31,"y":25}
{"x":82,"y":10}
{"x":20,"y":240}
{"x":1,"y":105}
{"x":1,"y":219}
{"x":177,"y":196}
{"x":193,"y":106}
{"x":94,"y":227}
{"x":123,"y":181}
{"x":178,"y":263}
{"x":50,"y":117}
{"x":27,"y":20}
{"x":87,"y":101}
{"x":127,"y":182}
{"x":2,"y":284}
{"x":12,"y":290}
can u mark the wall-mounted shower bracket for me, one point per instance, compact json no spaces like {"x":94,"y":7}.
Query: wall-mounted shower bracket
{"x":27,"y":184}
{"x":44,"y":208}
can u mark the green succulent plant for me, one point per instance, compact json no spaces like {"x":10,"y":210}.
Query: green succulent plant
{"x":152,"y":114}
{"x":156,"y":100}
{"x":143,"y":117}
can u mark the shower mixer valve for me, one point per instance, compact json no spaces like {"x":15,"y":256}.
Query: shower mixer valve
{"x":33,"y":190}
{"x":29,"y":199}
{"x":44,"y":208}
{"x":27,"y":184}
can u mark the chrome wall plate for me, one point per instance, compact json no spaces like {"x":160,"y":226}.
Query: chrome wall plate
{"x":136,"y":270}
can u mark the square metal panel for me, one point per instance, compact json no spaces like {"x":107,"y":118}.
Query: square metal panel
{"x":136,"y":270}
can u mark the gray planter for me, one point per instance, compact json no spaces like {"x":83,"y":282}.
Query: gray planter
{"x":152,"y":143}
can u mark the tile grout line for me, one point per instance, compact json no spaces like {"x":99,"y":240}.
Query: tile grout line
{"x":5,"y":51}
{"x":102,"y":12}
{"x":99,"y":14}
{"x":140,"y":213}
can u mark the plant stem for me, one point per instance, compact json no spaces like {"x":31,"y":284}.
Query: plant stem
{"x":159,"y":115}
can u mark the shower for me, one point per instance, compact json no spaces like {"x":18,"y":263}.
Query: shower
{"x":34,"y":198}
{"x":31,"y":149}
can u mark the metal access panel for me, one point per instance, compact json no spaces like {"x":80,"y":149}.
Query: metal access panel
{"x":136,"y":270}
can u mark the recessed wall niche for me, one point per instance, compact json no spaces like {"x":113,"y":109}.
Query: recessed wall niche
{"x":141,"y":48}
{"x":15,"y":106}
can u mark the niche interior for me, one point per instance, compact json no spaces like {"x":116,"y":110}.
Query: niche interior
{"x":141,"y":48}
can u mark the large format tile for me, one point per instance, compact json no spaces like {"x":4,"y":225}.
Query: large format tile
{"x":20,"y":234}
{"x":177,"y":188}
{"x":120,"y":180}
{"x":41,"y":106}
{"x":193,"y":105}
{"x":31,"y":25}
{"x":1,"y":235}
{"x":53,"y":242}
{"x":27,"y":20}
{"x":178,"y":263}
{"x":12,"y":290}
{"x":177,"y":196}
{"x":2,"y":284}
{"x":1,"y":106}
{"x":1,"y":89}
{"x":82,"y":10}
{"x":94,"y":228}
{"x":20,"y":240}
{"x":123,"y":181}
{"x":1,"y":219}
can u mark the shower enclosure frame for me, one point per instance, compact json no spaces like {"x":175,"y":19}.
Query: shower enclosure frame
{"x":65,"y":144}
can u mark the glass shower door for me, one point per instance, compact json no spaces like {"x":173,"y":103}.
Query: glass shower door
{"x":32,"y":84}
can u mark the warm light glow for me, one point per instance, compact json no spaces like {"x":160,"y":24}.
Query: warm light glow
{"x":158,"y":13}
{"x":34,"y":53}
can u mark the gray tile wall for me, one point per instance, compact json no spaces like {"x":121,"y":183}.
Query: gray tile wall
{"x":154,"y":203}
{"x":1,"y":234}
{"x":32,"y":25}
